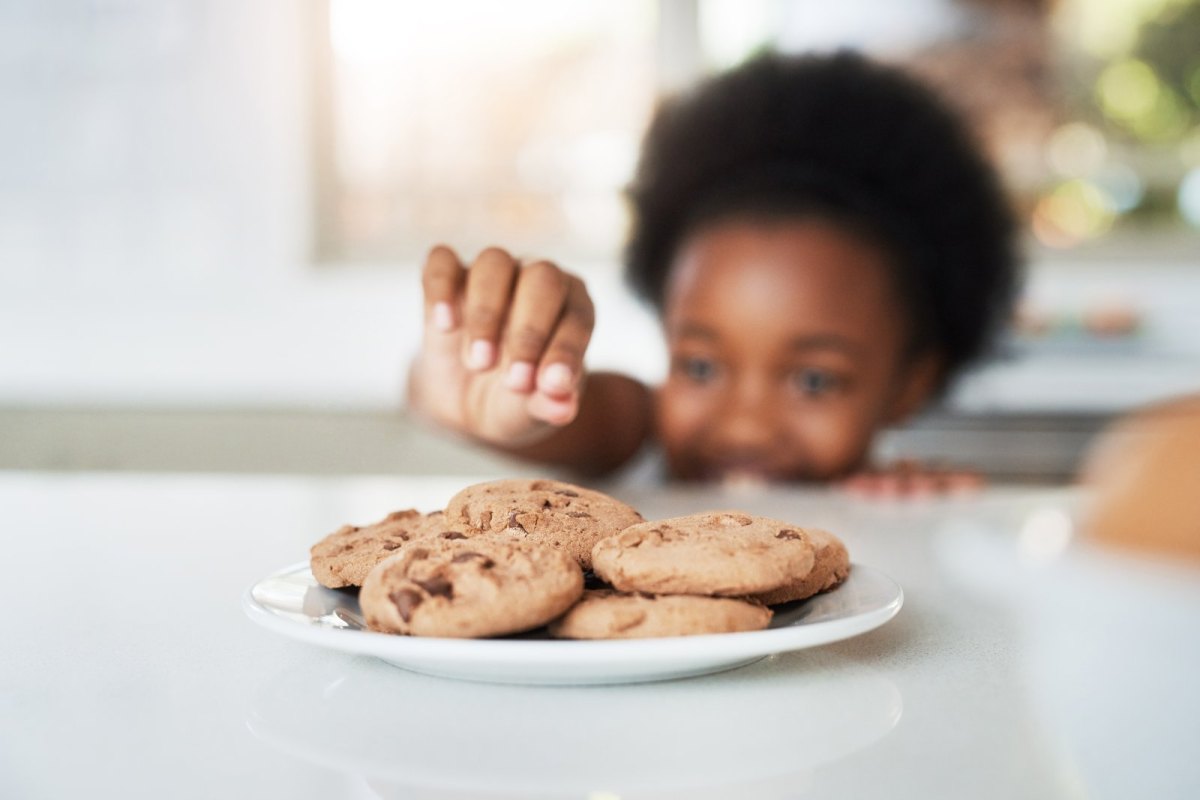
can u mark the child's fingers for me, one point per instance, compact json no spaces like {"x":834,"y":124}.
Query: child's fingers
{"x":907,"y":480}
{"x":489,"y":291}
{"x":442,"y":280}
{"x":562,"y":363}
{"x":536,"y":308}
{"x":555,"y":410}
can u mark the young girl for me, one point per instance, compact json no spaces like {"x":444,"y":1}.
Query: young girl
{"x":826,"y":249}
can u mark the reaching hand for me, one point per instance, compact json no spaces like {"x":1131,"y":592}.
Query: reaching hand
{"x":502,"y":355}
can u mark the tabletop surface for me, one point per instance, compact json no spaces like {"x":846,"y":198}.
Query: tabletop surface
{"x":1024,"y":663}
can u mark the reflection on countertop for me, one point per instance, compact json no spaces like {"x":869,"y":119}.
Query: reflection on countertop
{"x":756,"y":732}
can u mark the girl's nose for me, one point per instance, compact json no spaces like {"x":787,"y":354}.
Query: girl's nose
{"x":748,"y":419}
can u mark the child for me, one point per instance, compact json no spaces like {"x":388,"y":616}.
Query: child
{"x":826,"y":250}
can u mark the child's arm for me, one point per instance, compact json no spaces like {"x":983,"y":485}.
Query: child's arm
{"x":502,"y":361}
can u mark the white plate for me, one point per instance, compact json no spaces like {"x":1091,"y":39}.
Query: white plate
{"x":291,"y":602}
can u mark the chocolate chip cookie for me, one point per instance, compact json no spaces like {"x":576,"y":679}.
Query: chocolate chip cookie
{"x":344,"y":557}
{"x":478,"y":587}
{"x":831,"y":565}
{"x":727,"y":553}
{"x":554,"y":513}
{"x":608,"y":614}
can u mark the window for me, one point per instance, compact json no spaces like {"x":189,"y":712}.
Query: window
{"x":517,"y":123}
{"x":1126,"y":154}
{"x":479,"y":123}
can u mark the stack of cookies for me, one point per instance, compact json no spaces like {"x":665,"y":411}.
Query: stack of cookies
{"x":510,"y":556}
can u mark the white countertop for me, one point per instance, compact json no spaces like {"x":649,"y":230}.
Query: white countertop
{"x":1023,"y":664}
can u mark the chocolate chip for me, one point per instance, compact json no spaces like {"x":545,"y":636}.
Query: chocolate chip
{"x":392,"y":545}
{"x":451,"y":535}
{"x":437,"y":586}
{"x":405,"y":600}
{"x":485,"y":519}
{"x":485,"y":562}
{"x":593,"y":581}
{"x":512,"y":523}
{"x":788,"y":534}
{"x":545,"y":504}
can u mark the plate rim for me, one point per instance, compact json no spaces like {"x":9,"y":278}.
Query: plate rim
{"x":508,"y":652}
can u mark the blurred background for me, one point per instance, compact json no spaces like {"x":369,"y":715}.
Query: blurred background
{"x":212,"y":212}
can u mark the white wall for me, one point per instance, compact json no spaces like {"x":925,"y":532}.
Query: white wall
{"x":154,"y":225}
{"x":154,"y":217}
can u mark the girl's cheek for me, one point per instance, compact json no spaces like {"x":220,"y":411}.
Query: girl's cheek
{"x":835,"y":443}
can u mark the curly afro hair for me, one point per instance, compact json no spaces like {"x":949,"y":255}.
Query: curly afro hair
{"x":850,"y":142}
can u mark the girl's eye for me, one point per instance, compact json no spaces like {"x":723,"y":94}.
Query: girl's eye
{"x":815,"y":382}
{"x":698,"y":370}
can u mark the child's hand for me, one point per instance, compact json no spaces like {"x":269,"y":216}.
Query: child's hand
{"x":502,"y":356}
{"x":905,"y":478}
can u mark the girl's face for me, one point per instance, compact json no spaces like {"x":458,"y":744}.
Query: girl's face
{"x":788,"y":351}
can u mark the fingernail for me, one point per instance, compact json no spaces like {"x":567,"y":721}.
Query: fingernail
{"x":443,"y":317}
{"x":556,"y":378}
{"x":520,"y":376}
{"x":559,"y":411}
{"x":482,"y":354}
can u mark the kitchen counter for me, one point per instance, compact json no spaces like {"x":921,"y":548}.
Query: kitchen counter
{"x":1034,"y":448}
{"x":1024,"y":663}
